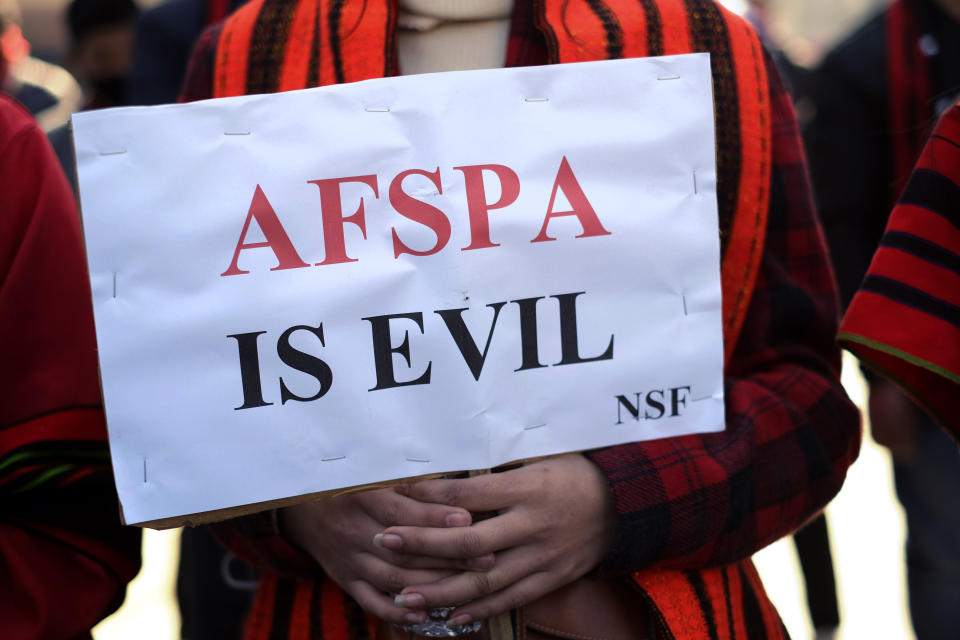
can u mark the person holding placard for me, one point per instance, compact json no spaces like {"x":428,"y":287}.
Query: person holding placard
{"x":663,"y":528}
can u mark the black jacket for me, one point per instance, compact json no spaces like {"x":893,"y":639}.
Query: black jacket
{"x":848,"y":137}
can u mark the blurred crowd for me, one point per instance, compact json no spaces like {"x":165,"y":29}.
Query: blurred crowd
{"x":867,"y":108}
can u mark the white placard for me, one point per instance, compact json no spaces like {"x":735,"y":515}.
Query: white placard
{"x":575,"y":205}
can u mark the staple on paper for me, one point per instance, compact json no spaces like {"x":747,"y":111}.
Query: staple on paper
{"x":113,"y":151}
{"x":536,"y":426}
{"x":114,"y":284}
{"x":144,"y":469}
{"x":331,"y":459}
{"x":377,"y":109}
{"x":418,"y":460}
{"x":536,"y":99}
{"x":668,"y":78}
{"x":238,"y":132}
{"x":685,"y":312}
{"x":695,"y":189}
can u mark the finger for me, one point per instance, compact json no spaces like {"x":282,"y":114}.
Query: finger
{"x":393,"y":579}
{"x":390,"y":508}
{"x":513,"y":597}
{"x":382,"y":606}
{"x":512,"y":567}
{"x":409,"y":561}
{"x":490,"y":492}
{"x":485,"y":537}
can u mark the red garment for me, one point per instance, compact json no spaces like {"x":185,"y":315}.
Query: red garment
{"x":905,"y":320}
{"x":697,"y":501}
{"x":64,"y":558}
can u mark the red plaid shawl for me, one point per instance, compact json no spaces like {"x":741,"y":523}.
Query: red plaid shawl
{"x":686,"y":503}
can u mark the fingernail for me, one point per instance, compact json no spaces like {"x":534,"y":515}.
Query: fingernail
{"x":415,"y":618}
{"x":458,"y":520}
{"x":412,"y":600}
{"x":482,"y":563}
{"x":461,"y":619}
{"x":388,"y":541}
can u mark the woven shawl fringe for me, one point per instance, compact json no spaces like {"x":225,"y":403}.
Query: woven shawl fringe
{"x":308,"y":43}
{"x":725,"y":603}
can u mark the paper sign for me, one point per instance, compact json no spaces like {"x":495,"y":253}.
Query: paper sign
{"x":328,"y":288}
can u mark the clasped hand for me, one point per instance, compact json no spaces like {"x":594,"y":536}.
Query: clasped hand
{"x":554,"y":522}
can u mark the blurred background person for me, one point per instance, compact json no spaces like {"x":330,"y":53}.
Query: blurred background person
{"x":101,"y":49}
{"x":912,"y":339}
{"x":46,"y":90}
{"x":165,"y":36}
{"x":877,"y":96}
{"x":100,"y":56}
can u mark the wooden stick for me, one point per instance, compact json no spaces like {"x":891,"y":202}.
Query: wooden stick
{"x":501,"y":628}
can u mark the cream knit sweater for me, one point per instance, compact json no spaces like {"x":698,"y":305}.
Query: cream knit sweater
{"x":450,"y":35}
